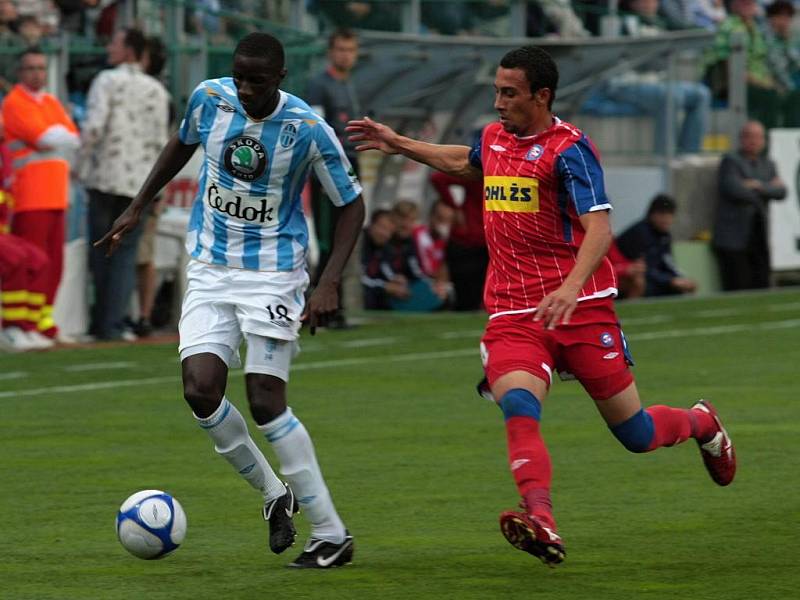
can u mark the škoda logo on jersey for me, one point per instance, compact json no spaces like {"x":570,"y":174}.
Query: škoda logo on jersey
{"x":245,"y":158}
{"x":511,"y":194}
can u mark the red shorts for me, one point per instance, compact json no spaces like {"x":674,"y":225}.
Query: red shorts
{"x":592,"y":348}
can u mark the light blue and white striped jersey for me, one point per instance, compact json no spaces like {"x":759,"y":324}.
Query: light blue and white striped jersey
{"x":248,"y":211}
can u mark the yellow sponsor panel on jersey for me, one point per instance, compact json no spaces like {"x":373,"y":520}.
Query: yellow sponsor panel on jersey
{"x":511,"y":194}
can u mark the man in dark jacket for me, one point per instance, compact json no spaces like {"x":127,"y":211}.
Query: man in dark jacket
{"x":747,"y":181}
{"x":651,"y":240}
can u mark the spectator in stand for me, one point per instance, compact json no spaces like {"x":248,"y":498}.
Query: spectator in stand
{"x":379,"y":279}
{"x":23,"y":274}
{"x":648,"y":90}
{"x":651,"y":239}
{"x":332,"y":95}
{"x":424,"y":293}
{"x":784,"y":58}
{"x":30,"y":30}
{"x":124,"y":131}
{"x":763,"y":97}
{"x":466,"y":254}
{"x":630,"y":273}
{"x":747,"y":181}
{"x":154,"y":59}
{"x":430,"y":240}
{"x":42,"y":139}
{"x":707,"y":14}
{"x":8,"y":39}
{"x":43,"y":12}
{"x":381,"y":16}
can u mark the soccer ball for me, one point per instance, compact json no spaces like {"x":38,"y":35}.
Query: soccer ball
{"x":151,"y":524}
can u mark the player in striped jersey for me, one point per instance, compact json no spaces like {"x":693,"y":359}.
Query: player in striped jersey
{"x":549,"y":288}
{"x":247,"y":276}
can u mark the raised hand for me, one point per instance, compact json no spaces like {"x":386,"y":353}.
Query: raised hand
{"x":376,"y":136}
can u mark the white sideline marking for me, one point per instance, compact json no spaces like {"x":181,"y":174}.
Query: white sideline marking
{"x":413,"y":356}
{"x":368,"y":342}
{"x":100,"y":366}
{"x":652,"y":320}
{"x":14,"y":375}
{"x":782,"y":307}
{"x":717,"y":312}
{"x":718,"y":330}
{"x":455,"y":335}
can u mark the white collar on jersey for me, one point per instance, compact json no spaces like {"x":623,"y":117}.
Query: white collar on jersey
{"x":556,"y":121}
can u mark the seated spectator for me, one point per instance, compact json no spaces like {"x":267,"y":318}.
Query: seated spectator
{"x":430,"y":240}
{"x":763,"y":95}
{"x":707,"y":14}
{"x":43,"y":12}
{"x":466,"y":254}
{"x":646,"y":91}
{"x":30,"y":30}
{"x":630,"y":273}
{"x":8,"y":39}
{"x":650,"y":239}
{"x":379,"y":279}
{"x":784,"y":58}
{"x":381,"y":16}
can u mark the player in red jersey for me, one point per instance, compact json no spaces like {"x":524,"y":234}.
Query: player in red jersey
{"x":550,"y":287}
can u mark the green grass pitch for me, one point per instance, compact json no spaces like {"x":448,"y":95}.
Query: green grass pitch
{"x":416,"y":464}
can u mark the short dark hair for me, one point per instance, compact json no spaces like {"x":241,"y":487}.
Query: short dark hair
{"x":780,"y":7}
{"x":29,"y":50}
{"x":379,"y":214}
{"x":343,"y":33}
{"x":539,"y":67}
{"x":662,"y":203}
{"x":136,"y":41}
{"x":157,"y":54}
{"x":262,"y":45}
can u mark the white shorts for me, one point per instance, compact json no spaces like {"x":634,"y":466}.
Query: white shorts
{"x":224,"y":305}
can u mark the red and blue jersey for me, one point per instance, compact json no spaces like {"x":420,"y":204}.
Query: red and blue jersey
{"x":535,"y":190}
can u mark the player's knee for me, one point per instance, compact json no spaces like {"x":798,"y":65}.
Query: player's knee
{"x":266,"y":395}
{"x":520,"y":403}
{"x":636,"y":433}
{"x":203,"y":394}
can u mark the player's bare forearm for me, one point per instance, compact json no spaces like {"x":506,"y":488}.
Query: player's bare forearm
{"x":348,"y":227}
{"x":324,"y":301}
{"x":593,"y":249}
{"x":557,"y":307}
{"x":172,"y":159}
{"x":450,"y":159}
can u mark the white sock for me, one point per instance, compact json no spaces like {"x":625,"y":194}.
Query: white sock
{"x":294,"y":448}
{"x":227,"y":428}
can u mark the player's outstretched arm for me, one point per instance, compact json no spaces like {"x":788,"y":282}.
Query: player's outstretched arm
{"x":450,"y":159}
{"x":324,"y":301}
{"x":169,"y":163}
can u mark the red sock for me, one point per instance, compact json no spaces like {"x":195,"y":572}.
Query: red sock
{"x":675,"y":425}
{"x":530,"y":466}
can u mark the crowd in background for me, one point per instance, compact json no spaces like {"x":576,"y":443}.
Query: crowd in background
{"x":415,"y":255}
{"x":44,"y":154}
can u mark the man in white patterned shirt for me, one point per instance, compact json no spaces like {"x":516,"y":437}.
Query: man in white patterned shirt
{"x":125,"y":128}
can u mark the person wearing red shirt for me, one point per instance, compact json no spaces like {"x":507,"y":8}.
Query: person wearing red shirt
{"x":466,"y":254}
{"x":549,"y":288}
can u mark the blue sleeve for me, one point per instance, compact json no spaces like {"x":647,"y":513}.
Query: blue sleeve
{"x":189,"y":132}
{"x":475,"y":153}
{"x":332,"y":167}
{"x":582,"y":177}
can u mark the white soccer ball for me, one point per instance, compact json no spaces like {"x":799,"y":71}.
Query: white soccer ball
{"x":151,"y":524}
